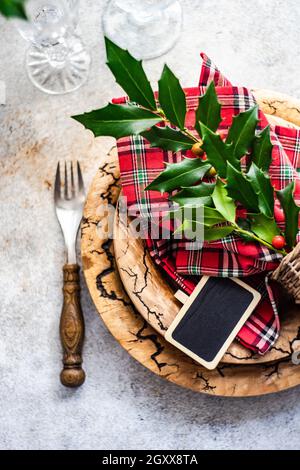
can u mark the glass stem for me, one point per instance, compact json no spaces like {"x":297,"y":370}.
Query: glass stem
{"x":57,"y":53}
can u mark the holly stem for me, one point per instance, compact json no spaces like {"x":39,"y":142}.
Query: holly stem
{"x":161,"y":114}
{"x":237,"y":229}
{"x":189,"y":134}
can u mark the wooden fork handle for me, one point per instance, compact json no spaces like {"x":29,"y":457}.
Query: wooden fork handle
{"x":72,"y":329}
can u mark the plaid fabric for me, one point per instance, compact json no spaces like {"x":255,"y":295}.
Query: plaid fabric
{"x":231,"y":256}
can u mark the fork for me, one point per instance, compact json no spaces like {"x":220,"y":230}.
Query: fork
{"x":69,"y":200}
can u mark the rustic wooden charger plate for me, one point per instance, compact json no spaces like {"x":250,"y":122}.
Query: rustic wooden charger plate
{"x":135,"y":334}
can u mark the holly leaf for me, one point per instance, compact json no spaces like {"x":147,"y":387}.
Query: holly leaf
{"x":240,"y":189}
{"x":168,"y":139}
{"x":130,"y":75}
{"x":195,"y":195}
{"x":202,"y":189}
{"x":172,"y":98}
{"x":291,"y":212}
{"x":118,"y":120}
{"x":212,"y":217}
{"x":204,"y":215}
{"x":185,"y":173}
{"x":242,"y":132}
{"x":189,"y":229}
{"x":262,"y":186}
{"x":210,"y":234}
{"x":209,"y":110}
{"x":263,"y":227}
{"x":262,"y":149}
{"x":190,"y":201}
{"x":218,"y":153}
{"x":13,"y":8}
{"x":223,"y":203}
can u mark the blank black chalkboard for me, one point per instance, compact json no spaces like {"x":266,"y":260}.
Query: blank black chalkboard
{"x":210,"y":319}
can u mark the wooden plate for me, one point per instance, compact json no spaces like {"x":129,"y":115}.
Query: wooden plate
{"x":140,"y":339}
{"x":132,"y":331}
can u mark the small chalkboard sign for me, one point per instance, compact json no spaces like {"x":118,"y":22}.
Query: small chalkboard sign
{"x":211,"y":318}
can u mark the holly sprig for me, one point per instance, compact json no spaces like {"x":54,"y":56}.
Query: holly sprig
{"x":162,"y":122}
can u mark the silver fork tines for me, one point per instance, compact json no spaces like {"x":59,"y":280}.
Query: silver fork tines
{"x":69,"y":204}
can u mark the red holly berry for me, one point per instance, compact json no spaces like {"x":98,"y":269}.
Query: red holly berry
{"x":278,"y":242}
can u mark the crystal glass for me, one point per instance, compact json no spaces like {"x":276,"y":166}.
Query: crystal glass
{"x":147,"y":28}
{"x":57,"y":61}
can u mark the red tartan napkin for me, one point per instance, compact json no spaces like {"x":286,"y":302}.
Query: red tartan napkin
{"x":231,"y":256}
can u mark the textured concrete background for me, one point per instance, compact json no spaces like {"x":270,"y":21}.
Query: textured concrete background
{"x":121,"y":405}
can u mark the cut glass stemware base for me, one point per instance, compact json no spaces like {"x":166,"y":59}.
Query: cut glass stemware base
{"x":58,"y":69}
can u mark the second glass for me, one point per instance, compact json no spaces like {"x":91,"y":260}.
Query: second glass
{"x":147,"y":28}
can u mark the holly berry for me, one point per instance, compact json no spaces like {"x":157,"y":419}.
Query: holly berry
{"x":278,"y":242}
{"x":212,"y":172}
{"x":197,"y":149}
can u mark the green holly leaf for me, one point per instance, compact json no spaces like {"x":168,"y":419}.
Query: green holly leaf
{"x":185,"y":173}
{"x":262,"y":149}
{"x":218,"y":153}
{"x":223,"y":203}
{"x":195,"y":195}
{"x":130,"y":75}
{"x":172,"y":98}
{"x":242,"y":132}
{"x":202,"y":189}
{"x":209,"y":110}
{"x":212,"y":217}
{"x":118,"y":120}
{"x":13,"y":8}
{"x":262,"y":186}
{"x":168,"y":139}
{"x":190,"y":201}
{"x":240,"y":189}
{"x":210,"y":234}
{"x":188,"y":229}
{"x":291,"y":212}
{"x":264,"y":227}
{"x":204,"y":215}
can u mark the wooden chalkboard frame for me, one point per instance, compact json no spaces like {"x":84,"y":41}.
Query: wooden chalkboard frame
{"x":192,"y":298}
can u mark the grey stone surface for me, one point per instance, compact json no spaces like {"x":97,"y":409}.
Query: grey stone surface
{"x":122,"y":405}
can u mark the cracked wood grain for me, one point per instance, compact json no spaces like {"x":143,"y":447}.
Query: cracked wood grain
{"x":137,"y":289}
{"x":142,"y":335}
{"x":280,"y":105}
{"x":206,"y":386}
